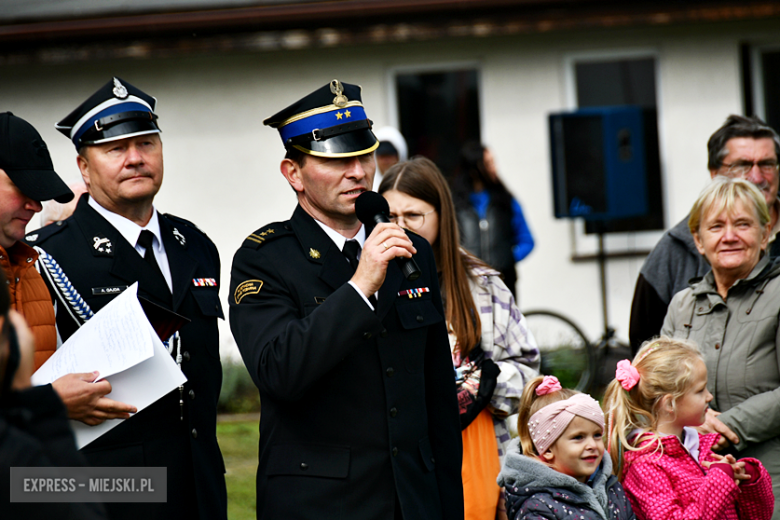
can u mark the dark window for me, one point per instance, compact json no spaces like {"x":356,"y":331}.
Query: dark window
{"x":438,"y":113}
{"x":761,"y":82}
{"x":627,"y":82}
{"x":770,"y":68}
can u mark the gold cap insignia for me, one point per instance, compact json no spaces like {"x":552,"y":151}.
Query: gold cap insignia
{"x":340,"y":100}
{"x":247,"y":287}
{"x":314,"y":253}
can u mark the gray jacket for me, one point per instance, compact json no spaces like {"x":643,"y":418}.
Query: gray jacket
{"x":738,"y":339}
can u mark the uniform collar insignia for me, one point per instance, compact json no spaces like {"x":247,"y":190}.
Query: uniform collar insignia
{"x":178,"y":236}
{"x":103,"y":245}
{"x":31,"y":238}
{"x":314,"y":253}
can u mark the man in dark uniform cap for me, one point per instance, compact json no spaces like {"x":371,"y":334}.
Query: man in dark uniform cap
{"x":360,"y":417}
{"x":117,"y":237}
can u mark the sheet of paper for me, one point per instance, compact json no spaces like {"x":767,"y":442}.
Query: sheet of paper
{"x":121,"y":344}
{"x":140,"y":386}
{"x":113,"y":340}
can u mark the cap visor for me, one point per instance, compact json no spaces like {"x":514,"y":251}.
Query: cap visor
{"x":344,"y":145}
{"x":41,"y":185}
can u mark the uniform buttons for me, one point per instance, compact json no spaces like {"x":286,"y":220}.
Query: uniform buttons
{"x":59,"y":222}
{"x":194,"y":433}
{"x":366,"y":335}
{"x":287,"y":227}
{"x":383,"y":333}
{"x":393,"y":411}
{"x":390,"y":371}
{"x":17,"y":279}
{"x":186,"y":355}
{"x":420,"y":318}
{"x":395,"y":452}
{"x":433,"y":461}
{"x":192,"y":394}
{"x":717,"y":346}
{"x":304,"y":466}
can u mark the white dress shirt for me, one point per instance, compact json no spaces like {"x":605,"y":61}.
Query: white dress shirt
{"x":131,"y":231}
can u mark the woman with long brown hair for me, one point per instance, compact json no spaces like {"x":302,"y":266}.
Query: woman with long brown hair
{"x":493,"y":352}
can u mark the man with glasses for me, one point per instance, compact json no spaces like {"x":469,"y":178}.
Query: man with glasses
{"x":743,"y":147}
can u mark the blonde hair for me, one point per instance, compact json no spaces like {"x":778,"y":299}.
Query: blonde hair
{"x":723,"y":193}
{"x":530,"y":403}
{"x":665,"y":367}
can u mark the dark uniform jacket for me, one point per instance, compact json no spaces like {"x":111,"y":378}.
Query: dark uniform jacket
{"x":358,"y":407}
{"x":156,"y":436}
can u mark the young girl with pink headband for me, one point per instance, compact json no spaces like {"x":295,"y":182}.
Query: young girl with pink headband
{"x":556,"y":468}
{"x":668,"y":469}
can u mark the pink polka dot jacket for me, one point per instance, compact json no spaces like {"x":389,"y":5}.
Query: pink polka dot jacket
{"x":672,"y":485}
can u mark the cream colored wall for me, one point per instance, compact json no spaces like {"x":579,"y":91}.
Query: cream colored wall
{"x":222,"y":163}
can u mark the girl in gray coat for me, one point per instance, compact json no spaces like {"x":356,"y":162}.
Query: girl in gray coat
{"x":564,"y":474}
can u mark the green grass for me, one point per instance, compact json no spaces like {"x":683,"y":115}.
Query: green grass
{"x":238,"y":442}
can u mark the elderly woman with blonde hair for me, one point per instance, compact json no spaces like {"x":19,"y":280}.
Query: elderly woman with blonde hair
{"x":732,"y":314}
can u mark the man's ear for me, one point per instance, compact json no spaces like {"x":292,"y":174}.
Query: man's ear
{"x":292,"y":172}
{"x":83,"y":165}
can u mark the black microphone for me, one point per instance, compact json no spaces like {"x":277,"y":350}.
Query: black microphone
{"x":372,"y":208}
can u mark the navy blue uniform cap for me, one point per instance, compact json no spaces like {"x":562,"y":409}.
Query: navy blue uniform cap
{"x":329,"y":122}
{"x":25,"y":158}
{"x":116,"y":111}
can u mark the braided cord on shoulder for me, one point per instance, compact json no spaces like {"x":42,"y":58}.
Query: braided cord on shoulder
{"x":64,"y":288}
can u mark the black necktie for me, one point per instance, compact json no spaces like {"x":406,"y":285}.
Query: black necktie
{"x":351,"y":251}
{"x":145,"y":241}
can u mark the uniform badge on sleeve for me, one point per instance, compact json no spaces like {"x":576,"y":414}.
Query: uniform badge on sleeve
{"x":246,"y":288}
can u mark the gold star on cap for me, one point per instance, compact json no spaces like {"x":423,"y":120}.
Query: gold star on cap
{"x":348,"y":113}
{"x":339,"y":115}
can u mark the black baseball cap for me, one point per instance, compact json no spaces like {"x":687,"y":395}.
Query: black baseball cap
{"x":25,"y":159}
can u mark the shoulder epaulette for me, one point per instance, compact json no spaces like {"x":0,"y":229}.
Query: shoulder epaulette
{"x":39,"y":235}
{"x":266,"y":234}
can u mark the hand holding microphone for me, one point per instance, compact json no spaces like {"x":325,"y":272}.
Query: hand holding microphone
{"x":387,"y":241}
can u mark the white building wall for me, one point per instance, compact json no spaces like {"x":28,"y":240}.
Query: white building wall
{"x":222,"y":164}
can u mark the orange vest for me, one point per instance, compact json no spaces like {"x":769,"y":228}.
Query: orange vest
{"x":30,"y":297}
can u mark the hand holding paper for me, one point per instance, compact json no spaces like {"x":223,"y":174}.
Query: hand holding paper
{"x":120,"y":344}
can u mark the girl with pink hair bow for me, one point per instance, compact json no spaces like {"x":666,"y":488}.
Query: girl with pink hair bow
{"x":668,"y":469}
{"x":560,"y":472}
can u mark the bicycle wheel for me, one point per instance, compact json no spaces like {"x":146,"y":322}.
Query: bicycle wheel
{"x":566,"y":352}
